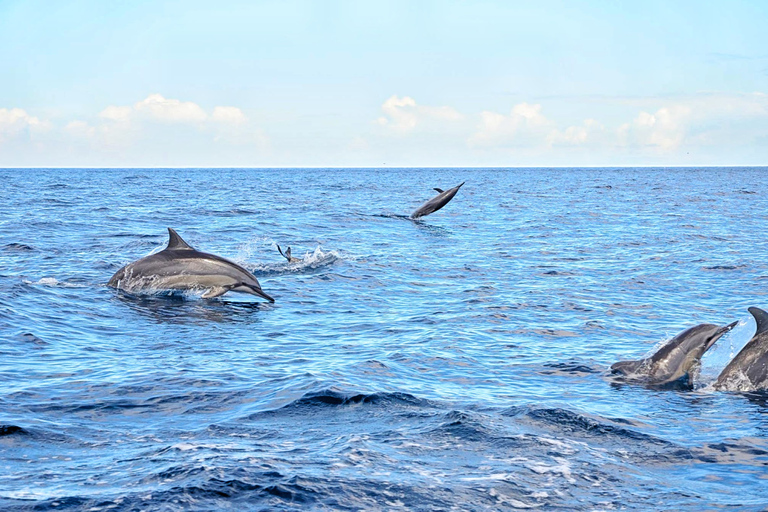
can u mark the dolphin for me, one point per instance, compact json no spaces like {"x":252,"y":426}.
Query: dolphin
{"x":287,"y":255}
{"x":748,"y":371}
{"x":437,"y":202}
{"x":670,"y":366}
{"x":180,"y":267}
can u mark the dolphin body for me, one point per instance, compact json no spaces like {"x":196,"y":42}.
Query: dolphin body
{"x":180,"y":267}
{"x":437,"y":202}
{"x":748,"y":371}
{"x":670,"y":366}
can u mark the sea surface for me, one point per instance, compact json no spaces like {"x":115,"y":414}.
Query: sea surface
{"x":458,"y":362}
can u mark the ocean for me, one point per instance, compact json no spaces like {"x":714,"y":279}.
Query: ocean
{"x":457,"y":362}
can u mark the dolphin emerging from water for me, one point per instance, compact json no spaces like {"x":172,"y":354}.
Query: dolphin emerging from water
{"x":670,"y":366}
{"x":437,"y":202}
{"x":748,"y":371}
{"x":180,"y":267}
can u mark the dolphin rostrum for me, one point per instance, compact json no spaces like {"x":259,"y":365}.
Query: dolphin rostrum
{"x":670,"y":366}
{"x":180,"y":267}
{"x":437,"y":202}
{"x":748,"y":371}
{"x":287,"y":255}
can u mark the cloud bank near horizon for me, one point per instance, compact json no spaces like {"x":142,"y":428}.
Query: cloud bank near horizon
{"x":161,"y":131}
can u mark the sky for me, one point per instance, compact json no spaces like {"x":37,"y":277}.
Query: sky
{"x":288,"y":83}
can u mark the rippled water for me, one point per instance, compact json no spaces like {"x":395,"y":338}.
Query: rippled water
{"x":457,"y":362}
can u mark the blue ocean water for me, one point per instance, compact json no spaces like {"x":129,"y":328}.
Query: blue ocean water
{"x":459,"y":362}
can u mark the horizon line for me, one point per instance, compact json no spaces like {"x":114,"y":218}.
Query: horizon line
{"x":693,"y":166}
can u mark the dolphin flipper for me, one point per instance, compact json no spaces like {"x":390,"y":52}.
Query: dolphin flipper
{"x":439,"y":190}
{"x":216,"y":291}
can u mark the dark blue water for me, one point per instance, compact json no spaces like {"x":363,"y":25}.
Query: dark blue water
{"x":459,"y":362}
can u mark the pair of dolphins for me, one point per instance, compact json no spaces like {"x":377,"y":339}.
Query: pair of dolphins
{"x":181,"y":267}
{"x":672,"y":364}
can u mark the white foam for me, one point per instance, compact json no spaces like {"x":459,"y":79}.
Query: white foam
{"x":53,"y":283}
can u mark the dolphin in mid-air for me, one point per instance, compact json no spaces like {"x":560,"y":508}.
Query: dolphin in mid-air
{"x":180,"y":267}
{"x":670,"y":366}
{"x":437,"y":202}
{"x":748,"y":371}
{"x":287,"y":255}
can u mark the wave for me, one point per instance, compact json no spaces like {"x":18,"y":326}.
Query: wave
{"x":331,"y":398}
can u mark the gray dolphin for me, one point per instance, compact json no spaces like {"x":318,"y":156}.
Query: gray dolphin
{"x":287,"y":255}
{"x":748,"y":371}
{"x":437,"y":202}
{"x":180,"y":267}
{"x":671,"y":365}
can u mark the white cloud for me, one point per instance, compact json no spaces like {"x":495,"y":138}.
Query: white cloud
{"x":165,"y":110}
{"x":525,"y":125}
{"x":157,"y":108}
{"x":230,"y":115}
{"x":113,"y":113}
{"x":589,"y":133}
{"x":403,"y":115}
{"x":15,"y":122}
{"x":80,"y":129}
{"x":665,"y":129}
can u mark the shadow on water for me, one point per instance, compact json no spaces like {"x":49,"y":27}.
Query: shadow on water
{"x":180,"y":308}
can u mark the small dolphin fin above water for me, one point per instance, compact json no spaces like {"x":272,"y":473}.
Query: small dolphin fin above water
{"x":175,"y":242}
{"x":287,"y":255}
{"x":436,"y":202}
{"x":180,"y":267}
{"x":671,"y":365}
{"x":440,"y":190}
{"x":748,"y":371}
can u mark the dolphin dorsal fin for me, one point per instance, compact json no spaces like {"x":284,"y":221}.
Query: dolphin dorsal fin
{"x":175,"y":242}
{"x":761,"y":317}
{"x":438,"y":189}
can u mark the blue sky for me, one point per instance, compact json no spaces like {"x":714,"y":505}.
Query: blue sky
{"x":290,"y":83}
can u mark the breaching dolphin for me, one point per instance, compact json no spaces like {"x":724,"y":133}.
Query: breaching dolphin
{"x":287,"y":255}
{"x":670,"y":366}
{"x":748,"y":371}
{"x":437,"y":202}
{"x":180,"y":267}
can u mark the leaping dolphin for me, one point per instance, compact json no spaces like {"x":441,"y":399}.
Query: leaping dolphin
{"x":748,"y":371}
{"x":670,"y":366}
{"x":287,"y":255}
{"x":437,"y":202}
{"x":180,"y":267}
